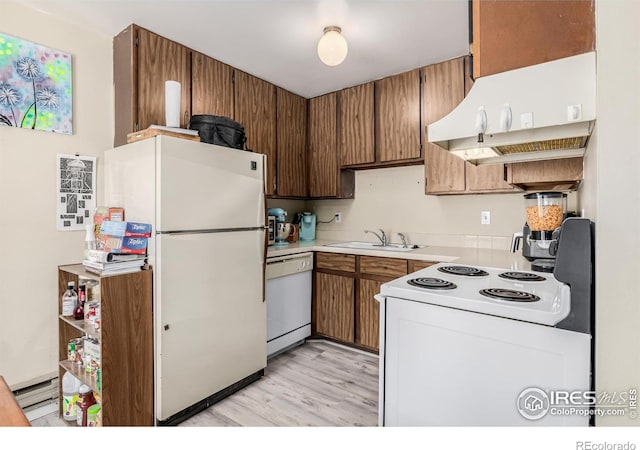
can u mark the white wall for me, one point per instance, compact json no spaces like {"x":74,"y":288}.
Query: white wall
{"x":393,"y":199}
{"x":32,"y":248}
{"x":616,"y":161}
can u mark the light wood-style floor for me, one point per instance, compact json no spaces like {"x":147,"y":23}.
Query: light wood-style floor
{"x":316,"y":384}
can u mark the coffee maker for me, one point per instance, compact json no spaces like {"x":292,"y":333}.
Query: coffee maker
{"x":545,"y":213}
{"x":308,"y":226}
{"x":279,"y":214}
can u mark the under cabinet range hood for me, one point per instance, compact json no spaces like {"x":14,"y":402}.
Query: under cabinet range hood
{"x":546,"y":111}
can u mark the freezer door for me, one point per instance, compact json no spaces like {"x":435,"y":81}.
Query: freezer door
{"x":203,"y":186}
{"x":210,"y":315}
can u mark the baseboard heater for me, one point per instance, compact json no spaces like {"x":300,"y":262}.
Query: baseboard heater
{"x":36,"y":391}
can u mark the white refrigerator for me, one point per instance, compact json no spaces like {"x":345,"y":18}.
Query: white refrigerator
{"x":206,"y":204}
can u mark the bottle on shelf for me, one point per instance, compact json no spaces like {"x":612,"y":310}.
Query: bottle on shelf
{"x":85,"y":400}
{"x":90,"y":237}
{"x":70,"y":392}
{"x":69,"y":300}
{"x":78,"y":312}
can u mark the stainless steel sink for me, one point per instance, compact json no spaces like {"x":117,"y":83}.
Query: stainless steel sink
{"x":372,"y":246}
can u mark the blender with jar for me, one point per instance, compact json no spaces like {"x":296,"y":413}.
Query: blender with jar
{"x":545,"y":213}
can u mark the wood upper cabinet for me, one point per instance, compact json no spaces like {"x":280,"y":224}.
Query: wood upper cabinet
{"x":397,"y":117}
{"x":143,"y":62}
{"x":255,"y":109}
{"x":292,"y":144}
{"x":443,"y":89}
{"x":486,"y":177}
{"x":334,"y":306}
{"x":211,"y":86}
{"x":552,"y":175}
{"x":323,"y":160}
{"x":325,"y":177}
{"x":512,"y":34}
{"x":356,"y":125}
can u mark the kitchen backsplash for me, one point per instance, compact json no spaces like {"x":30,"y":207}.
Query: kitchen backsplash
{"x":393,"y":199}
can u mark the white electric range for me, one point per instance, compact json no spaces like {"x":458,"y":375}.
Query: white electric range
{"x":479,"y":346}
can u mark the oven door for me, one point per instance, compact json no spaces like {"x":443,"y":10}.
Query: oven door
{"x":448,"y":367}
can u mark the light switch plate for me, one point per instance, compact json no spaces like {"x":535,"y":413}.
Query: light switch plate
{"x":485,"y":217}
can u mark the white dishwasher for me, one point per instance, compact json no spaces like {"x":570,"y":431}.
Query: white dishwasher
{"x":288,"y":293}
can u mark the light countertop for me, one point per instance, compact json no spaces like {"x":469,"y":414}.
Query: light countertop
{"x":500,"y":259}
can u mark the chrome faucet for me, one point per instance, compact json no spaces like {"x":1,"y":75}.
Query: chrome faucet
{"x":404,"y":240}
{"x":383,"y":237}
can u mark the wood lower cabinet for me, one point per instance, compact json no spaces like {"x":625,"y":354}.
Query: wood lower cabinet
{"x":519,"y":33}
{"x":211,"y":86}
{"x":125,"y":341}
{"x":356,"y":125}
{"x":413,"y":265}
{"x":344,"y":291}
{"x":143,"y":62}
{"x":334,"y":306}
{"x":397,"y":118}
{"x":255,"y":109}
{"x":368,"y":314}
{"x":292,"y":144}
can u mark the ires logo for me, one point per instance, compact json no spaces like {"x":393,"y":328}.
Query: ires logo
{"x":534,"y":403}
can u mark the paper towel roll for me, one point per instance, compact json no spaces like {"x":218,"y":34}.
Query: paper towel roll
{"x":172,"y":103}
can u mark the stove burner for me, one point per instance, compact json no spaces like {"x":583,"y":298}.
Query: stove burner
{"x":432,"y":283}
{"x":463,"y":270}
{"x":509,"y":295}
{"x":521,"y":276}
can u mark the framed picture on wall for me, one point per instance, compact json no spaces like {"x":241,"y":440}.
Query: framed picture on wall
{"x":35,"y":86}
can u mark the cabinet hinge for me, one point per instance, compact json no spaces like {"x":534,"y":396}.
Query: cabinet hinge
{"x":137,"y":41}
{"x":136,"y":127}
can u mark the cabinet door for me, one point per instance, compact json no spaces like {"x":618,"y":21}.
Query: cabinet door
{"x":334,"y":297}
{"x":159,"y":60}
{"x":368,"y":314}
{"x":488,"y":177}
{"x":512,"y":34}
{"x":443,"y":90}
{"x":355,"y":144}
{"x":323,"y":158}
{"x":413,"y":265}
{"x":292,"y":144}
{"x":552,"y":175}
{"x":255,"y":104}
{"x":397,"y":117}
{"x":211,"y":86}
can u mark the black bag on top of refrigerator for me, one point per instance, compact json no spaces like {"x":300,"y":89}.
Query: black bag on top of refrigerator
{"x":219,"y":130}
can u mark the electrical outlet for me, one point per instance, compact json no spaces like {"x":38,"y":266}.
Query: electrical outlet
{"x":338,"y":217}
{"x":485,"y":217}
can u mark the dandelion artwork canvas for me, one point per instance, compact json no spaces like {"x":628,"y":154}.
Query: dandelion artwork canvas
{"x":35,"y":86}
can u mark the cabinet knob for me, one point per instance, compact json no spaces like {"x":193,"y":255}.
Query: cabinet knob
{"x":166,"y":327}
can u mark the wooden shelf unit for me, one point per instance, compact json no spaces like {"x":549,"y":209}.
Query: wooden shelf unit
{"x":126,"y":342}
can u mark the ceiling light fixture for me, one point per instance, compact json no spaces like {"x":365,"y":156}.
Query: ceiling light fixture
{"x":332,"y":47}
